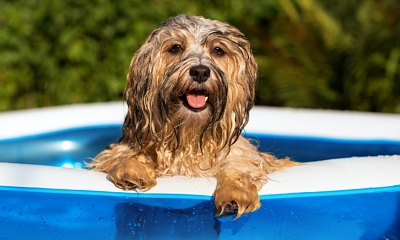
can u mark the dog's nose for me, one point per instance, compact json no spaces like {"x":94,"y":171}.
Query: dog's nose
{"x":199,"y":73}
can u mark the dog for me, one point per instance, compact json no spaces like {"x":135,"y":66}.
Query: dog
{"x":190,"y":88}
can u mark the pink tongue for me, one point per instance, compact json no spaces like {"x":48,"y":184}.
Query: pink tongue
{"x":196,"y":100}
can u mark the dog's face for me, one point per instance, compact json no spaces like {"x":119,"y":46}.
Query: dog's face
{"x":192,"y":78}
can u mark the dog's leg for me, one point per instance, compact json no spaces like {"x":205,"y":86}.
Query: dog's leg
{"x":125,"y":167}
{"x":244,"y":172}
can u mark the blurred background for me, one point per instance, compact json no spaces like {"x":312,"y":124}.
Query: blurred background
{"x":330,"y":54}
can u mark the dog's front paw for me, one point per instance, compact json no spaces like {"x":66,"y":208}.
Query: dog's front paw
{"x":234,"y":199}
{"x":133,"y":174}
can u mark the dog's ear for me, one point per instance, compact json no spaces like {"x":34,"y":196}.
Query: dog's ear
{"x":247,"y":66}
{"x":242,"y":92}
{"x":250,"y":74}
{"x":139,"y":92}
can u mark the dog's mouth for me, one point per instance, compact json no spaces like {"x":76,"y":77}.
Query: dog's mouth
{"x":197,"y":99}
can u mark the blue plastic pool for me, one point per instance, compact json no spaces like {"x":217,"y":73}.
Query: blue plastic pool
{"x":36,"y":204}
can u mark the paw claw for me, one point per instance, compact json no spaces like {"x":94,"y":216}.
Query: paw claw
{"x":231,"y":200}
{"x":133,"y":175}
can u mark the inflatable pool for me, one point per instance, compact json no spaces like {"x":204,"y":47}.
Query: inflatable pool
{"x":348,"y":186}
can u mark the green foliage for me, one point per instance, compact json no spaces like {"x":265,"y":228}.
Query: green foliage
{"x":311,"y":53}
{"x":334,"y":54}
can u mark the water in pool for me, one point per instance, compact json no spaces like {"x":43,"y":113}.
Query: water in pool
{"x":70,"y":148}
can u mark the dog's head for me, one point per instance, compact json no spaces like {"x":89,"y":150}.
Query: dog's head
{"x":192,"y":78}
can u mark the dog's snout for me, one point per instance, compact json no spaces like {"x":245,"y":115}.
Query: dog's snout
{"x":199,"y":73}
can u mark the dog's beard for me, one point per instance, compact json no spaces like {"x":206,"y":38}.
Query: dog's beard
{"x":172,"y":113}
{"x":193,"y":109}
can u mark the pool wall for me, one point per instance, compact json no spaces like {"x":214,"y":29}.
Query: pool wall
{"x":355,"y":194}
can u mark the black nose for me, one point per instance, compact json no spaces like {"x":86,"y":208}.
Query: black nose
{"x":199,"y":73}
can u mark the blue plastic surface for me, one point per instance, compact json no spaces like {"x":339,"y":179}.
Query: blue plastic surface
{"x":53,"y":214}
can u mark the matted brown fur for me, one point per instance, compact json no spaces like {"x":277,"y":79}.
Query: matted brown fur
{"x":163,"y":135}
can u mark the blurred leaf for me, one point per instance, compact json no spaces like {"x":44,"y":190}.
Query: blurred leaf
{"x":311,"y":53}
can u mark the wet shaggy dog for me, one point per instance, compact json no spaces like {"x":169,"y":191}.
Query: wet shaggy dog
{"x":189,"y":93}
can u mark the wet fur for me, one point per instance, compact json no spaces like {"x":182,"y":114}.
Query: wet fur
{"x":163,"y":136}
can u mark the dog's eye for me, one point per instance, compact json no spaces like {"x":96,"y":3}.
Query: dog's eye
{"x":218,"y":51}
{"x":175,"y":49}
